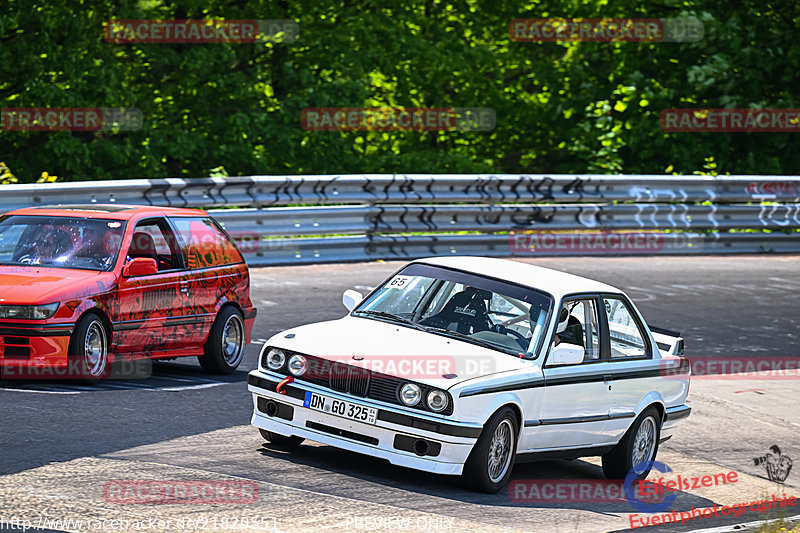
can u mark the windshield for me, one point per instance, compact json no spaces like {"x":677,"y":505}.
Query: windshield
{"x":63,"y":242}
{"x":482,"y":311}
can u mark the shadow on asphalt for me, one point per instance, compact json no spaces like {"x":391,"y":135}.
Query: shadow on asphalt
{"x":378,"y":471}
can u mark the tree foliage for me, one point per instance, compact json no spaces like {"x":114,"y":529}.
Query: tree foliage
{"x":235,"y":108}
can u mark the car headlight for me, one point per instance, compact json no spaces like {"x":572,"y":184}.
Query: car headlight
{"x":410,"y":394}
{"x":437,"y":400}
{"x":275,"y":359}
{"x":298,"y":365}
{"x":28,"y":312}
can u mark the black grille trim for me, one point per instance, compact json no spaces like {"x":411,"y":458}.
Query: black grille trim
{"x":360,"y":382}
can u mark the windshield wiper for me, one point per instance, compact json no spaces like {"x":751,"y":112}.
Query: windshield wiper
{"x":394,"y":318}
{"x":468,"y":338}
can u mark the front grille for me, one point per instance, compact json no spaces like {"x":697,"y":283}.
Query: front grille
{"x":338,"y":379}
{"x":358,"y":381}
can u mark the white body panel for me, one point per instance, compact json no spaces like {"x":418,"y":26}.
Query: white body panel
{"x":560,"y":407}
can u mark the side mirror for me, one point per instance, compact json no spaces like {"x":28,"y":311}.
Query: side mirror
{"x":567,"y":354}
{"x":351,"y":299}
{"x":140,"y":266}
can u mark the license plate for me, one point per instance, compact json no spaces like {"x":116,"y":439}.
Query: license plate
{"x":340,"y":408}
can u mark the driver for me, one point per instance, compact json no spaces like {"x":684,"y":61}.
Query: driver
{"x":52,"y":246}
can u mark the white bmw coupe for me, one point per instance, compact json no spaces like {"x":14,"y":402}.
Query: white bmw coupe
{"x":464,"y":365}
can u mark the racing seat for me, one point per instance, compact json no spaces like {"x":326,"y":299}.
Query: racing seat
{"x":465,"y":313}
{"x":143,"y":245}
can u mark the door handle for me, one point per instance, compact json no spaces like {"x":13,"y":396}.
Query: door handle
{"x":607,"y":380}
{"x":184,"y":285}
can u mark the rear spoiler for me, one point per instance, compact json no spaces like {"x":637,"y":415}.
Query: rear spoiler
{"x":668,"y":341}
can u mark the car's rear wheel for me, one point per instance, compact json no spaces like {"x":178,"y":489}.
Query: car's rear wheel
{"x":281,"y":440}
{"x":88,"y":349}
{"x":638,"y":447}
{"x":224,"y":348}
{"x":489,"y":465}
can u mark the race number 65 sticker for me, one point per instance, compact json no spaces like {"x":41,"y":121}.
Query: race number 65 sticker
{"x":398,"y":282}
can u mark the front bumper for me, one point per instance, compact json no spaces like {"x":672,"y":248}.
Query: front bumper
{"x":26,"y":348}
{"x":392,"y":437}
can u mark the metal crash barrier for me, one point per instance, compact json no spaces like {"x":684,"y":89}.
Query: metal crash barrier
{"x":310,"y":219}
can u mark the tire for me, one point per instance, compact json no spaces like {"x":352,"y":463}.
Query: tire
{"x":88,"y":349}
{"x":639,"y":445}
{"x":224,"y":349}
{"x":281,"y":440}
{"x":488,"y":467}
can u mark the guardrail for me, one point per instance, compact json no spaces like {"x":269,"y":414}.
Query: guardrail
{"x":306,"y":219}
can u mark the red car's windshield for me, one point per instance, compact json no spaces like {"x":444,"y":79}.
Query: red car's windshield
{"x":63,"y":242}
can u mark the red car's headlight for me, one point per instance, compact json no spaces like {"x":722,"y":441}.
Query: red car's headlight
{"x":28,"y":312}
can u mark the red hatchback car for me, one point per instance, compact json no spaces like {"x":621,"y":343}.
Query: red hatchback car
{"x":83,"y":286}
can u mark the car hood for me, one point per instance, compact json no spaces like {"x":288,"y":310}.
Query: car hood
{"x":397,"y":350}
{"x":38,"y":285}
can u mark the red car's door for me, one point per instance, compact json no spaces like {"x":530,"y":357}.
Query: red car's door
{"x":216,"y":269}
{"x":152,"y":306}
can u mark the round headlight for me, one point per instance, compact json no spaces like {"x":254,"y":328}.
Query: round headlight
{"x":410,"y":394}
{"x":275,"y":359}
{"x":437,"y":400}
{"x":298,"y":365}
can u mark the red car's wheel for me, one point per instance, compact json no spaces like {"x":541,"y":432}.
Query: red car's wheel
{"x":88,"y":349}
{"x":224,"y":348}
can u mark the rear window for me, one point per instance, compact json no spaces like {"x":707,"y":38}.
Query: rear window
{"x":205,"y":244}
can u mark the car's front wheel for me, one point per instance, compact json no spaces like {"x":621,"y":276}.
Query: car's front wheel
{"x":88,"y":349}
{"x":489,"y":465}
{"x":281,"y":440}
{"x":224,"y":348}
{"x":638,"y":447}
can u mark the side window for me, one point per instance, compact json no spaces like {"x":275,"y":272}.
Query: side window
{"x":627,"y":339}
{"x":154,"y":239}
{"x":204,"y":244}
{"x":582,"y":329}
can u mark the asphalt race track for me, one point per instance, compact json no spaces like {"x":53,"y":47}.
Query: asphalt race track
{"x":60,"y":442}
